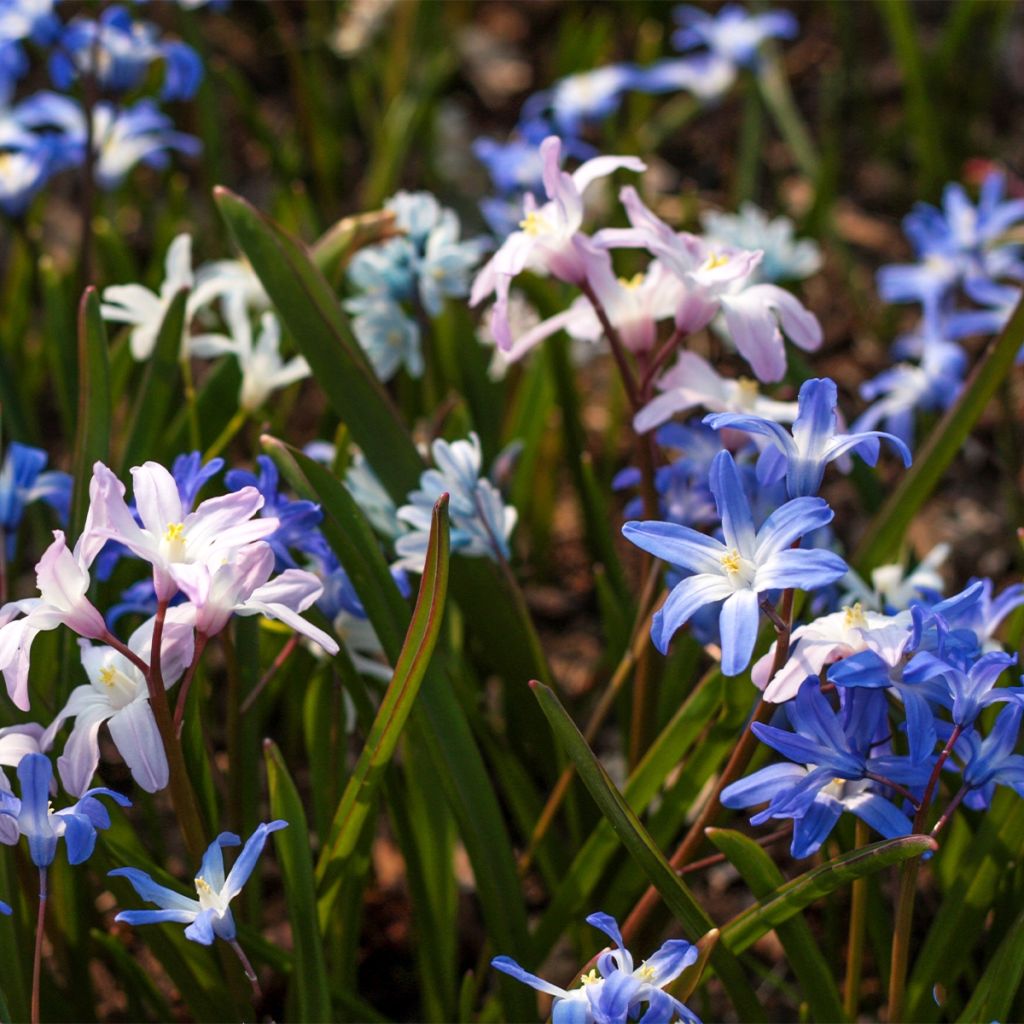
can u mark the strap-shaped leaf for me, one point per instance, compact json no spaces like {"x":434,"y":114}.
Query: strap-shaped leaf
{"x":886,"y":533}
{"x":313,"y":316}
{"x":159,"y":386}
{"x":995,"y":991}
{"x":674,"y":891}
{"x":394,"y":709}
{"x":293,"y":854}
{"x":762,"y":875}
{"x":778,"y":907}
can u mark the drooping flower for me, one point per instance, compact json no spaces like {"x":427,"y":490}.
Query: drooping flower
{"x":62,"y":577}
{"x":835,"y":769}
{"x":615,"y":991}
{"x":208,"y":917}
{"x":43,"y":827}
{"x":721,"y":281}
{"x":749,"y":563}
{"x":731,"y":33}
{"x":814,"y":442}
{"x":549,"y":239}
{"x":117,"y":693}
{"x":692,"y":383}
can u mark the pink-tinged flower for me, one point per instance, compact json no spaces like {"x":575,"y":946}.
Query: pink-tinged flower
{"x":15,"y":742}
{"x":242,"y":585}
{"x":692,"y":383}
{"x":720,"y":280}
{"x":179,"y":546}
{"x":634,"y":306}
{"x":821,"y":643}
{"x":117,"y":693}
{"x":62,"y":577}
{"x":550,"y":240}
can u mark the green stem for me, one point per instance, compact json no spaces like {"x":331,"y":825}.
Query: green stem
{"x":901,"y":938}
{"x":778,"y":98}
{"x":191,"y":408}
{"x":37,"y":960}
{"x":234,"y":425}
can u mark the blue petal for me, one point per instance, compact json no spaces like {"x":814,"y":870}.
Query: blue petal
{"x":212,"y":869}
{"x":790,"y":522}
{"x":670,"y":961}
{"x":800,"y":569}
{"x":201,"y":929}
{"x":156,"y":916}
{"x":607,"y":924}
{"x":881,"y":815}
{"x":153,"y":892}
{"x":762,"y":785}
{"x":733,"y":507}
{"x":79,"y":836}
{"x":810,"y":831}
{"x":815,"y":424}
{"x":687,"y":597}
{"x":508,"y":966}
{"x":677,"y":545}
{"x":738,"y":624}
{"x":572,"y":1011}
{"x":242,"y":868}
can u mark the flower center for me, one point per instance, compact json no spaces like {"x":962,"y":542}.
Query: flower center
{"x":208,"y":898}
{"x":174,"y":541}
{"x":590,"y":979}
{"x":632,"y":283}
{"x":534,"y":224}
{"x":732,"y":562}
{"x":715,"y":260}
{"x":853,"y":616}
{"x":646,"y":973}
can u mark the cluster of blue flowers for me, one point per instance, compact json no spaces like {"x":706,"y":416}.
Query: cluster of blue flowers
{"x":405,"y":280}
{"x":615,"y":990}
{"x":717,"y":48}
{"x":107,"y":58}
{"x":967,"y":280}
{"x":23,"y":481}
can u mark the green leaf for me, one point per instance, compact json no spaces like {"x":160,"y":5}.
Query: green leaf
{"x":994,"y":992}
{"x":759,"y":871}
{"x":393,"y":713}
{"x":92,"y":431}
{"x":674,"y":891}
{"x":159,"y":387}
{"x":310,"y":310}
{"x":293,"y":854}
{"x":778,"y":907}
{"x":886,"y":532}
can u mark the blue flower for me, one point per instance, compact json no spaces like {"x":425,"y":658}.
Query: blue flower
{"x":814,"y":442}
{"x":387,"y":270}
{"x":834,"y":770}
{"x":22,"y":482}
{"x":584,"y":98}
{"x":614,"y":992}
{"x":209,"y":916}
{"x":731,"y":34}
{"x":43,"y":827}
{"x":298,"y":518}
{"x":991,"y":761}
{"x":1000,"y":301}
{"x":968,"y":690}
{"x":749,"y":563}
{"x":120,"y":51}
{"x":446,"y":263}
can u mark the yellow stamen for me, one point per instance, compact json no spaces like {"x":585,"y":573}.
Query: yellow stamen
{"x":853,"y":616}
{"x":533,"y":223}
{"x":715,"y":260}
{"x":632,"y":283}
{"x":748,"y":386}
{"x":203,"y":887}
{"x":591,"y":978}
{"x":732,"y":561}
{"x":175,"y":531}
{"x":646,"y":973}
{"x":107,"y":675}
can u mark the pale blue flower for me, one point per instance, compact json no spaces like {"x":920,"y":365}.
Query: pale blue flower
{"x":785,"y":257}
{"x":731,"y":33}
{"x":814,"y":442}
{"x":389,"y":337}
{"x":209,"y":916}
